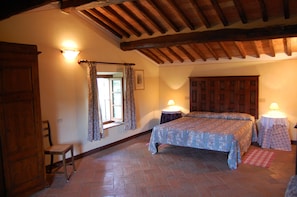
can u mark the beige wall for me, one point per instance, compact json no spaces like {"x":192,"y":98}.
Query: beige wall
{"x":277,"y":82}
{"x":63,"y":84}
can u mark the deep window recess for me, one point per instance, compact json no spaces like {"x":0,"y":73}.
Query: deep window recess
{"x":110,"y":90}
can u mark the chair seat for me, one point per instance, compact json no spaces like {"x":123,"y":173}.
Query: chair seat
{"x":58,"y":149}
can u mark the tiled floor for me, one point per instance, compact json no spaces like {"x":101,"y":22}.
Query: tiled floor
{"x":129,"y":169}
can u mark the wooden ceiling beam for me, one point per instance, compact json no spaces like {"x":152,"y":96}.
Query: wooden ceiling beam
{"x":151,"y":55}
{"x":164,"y":55}
{"x":222,"y":45}
{"x":183,"y":50}
{"x":110,"y":23}
{"x":253,"y":43}
{"x":286,"y":9}
{"x":171,"y":51}
{"x":88,"y":4}
{"x":287,"y":46}
{"x":200,"y":13}
{"x":163,"y":15}
{"x":220,"y":12}
{"x":9,"y":8}
{"x":211,"y":51}
{"x":271,"y":47}
{"x":240,"y":11}
{"x":198,"y":51}
{"x":147,"y":14}
{"x":181,"y":14}
{"x":240,"y":49}
{"x":122,"y":20}
{"x":133,"y":16}
{"x":94,"y":18}
{"x":263,"y":10}
{"x":212,"y":36}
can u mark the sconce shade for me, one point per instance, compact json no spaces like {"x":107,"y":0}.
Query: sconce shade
{"x":274,"y":106}
{"x":171,"y":102}
{"x":69,"y":54}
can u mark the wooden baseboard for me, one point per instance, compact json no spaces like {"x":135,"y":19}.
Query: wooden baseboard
{"x":59,"y":163}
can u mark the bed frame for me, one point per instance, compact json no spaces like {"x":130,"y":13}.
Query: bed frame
{"x":225,"y":94}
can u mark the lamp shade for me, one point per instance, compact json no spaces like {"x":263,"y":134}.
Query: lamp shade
{"x":274,"y":106}
{"x":171,"y":102}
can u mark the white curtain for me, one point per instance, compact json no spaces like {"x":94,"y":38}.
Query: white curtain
{"x":129,"y":114}
{"x":95,"y":124}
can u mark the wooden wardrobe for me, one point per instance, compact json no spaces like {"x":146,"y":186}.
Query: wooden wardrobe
{"x":21,"y":161}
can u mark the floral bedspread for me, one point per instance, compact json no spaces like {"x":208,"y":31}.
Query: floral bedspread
{"x":226,"y":132}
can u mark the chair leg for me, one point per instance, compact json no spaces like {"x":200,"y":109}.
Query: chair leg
{"x":65,"y":168}
{"x":49,"y":170}
{"x":72,"y":158}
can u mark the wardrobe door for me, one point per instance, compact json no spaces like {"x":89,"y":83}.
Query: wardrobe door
{"x":20,"y":120}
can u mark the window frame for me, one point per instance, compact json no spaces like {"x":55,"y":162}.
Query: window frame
{"x":111,"y":77}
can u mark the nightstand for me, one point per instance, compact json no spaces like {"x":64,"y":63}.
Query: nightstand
{"x":168,"y":115}
{"x":274,"y":133}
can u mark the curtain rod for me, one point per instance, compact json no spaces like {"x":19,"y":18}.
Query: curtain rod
{"x":96,"y":62}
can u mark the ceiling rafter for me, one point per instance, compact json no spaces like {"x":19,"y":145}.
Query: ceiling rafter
{"x":164,"y":55}
{"x":263,"y":10}
{"x":182,"y":49}
{"x":181,"y":14}
{"x":287,"y":46}
{"x":163,"y":15}
{"x":171,"y":51}
{"x":123,"y":21}
{"x":220,"y":12}
{"x":135,"y":18}
{"x":222,"y":45}
{"x":213,"y":53}
{"x":200,"y":13}
{"x":240,"y":49}
{"x":240,"y":11}
{"x":271,"y":47}
{"x":87,"y":13}
{"x":111,"y":24}
{"x":286,"y":9}
{"x":147,"y":52}
{"x":147,"y":14}
{"x":255,"y":48}
{"x":198,"y":51}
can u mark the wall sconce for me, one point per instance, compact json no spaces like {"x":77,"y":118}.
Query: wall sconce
{"x":70,"y":54}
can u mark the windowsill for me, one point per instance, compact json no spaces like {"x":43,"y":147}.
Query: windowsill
{"x":112,"y":124}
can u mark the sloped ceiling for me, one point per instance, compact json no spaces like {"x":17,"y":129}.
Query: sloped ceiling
{"x":179,"y":31}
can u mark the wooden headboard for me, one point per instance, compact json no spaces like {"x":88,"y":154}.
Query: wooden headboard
{"x":225,"y":94}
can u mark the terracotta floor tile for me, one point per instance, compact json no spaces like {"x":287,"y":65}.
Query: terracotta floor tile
{"x":129,"y":170}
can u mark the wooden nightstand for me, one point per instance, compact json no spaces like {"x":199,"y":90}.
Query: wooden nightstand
{"x":168,"y":115}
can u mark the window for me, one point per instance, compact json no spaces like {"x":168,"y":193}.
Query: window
{"x":110,"y":90}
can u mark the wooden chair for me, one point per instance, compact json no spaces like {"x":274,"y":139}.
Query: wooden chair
{"x":58,"y":149}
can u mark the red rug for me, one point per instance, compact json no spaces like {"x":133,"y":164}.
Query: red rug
{"x":258,"y":157}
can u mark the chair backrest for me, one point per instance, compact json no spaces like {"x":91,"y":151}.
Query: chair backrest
{"x":46,"y":131}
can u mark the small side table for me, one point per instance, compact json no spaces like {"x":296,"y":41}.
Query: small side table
{"x":168,"y":115}
{"x":274,"y":133}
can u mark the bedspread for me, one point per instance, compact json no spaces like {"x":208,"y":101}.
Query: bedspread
{"x":219,"y":134}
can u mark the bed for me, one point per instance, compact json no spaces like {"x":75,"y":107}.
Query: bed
{"x":222,"y":118}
